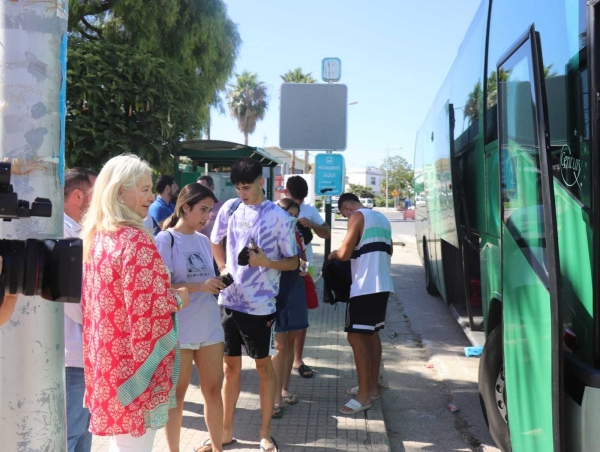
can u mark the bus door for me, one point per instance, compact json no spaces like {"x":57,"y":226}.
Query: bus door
{"x":530,"y":385}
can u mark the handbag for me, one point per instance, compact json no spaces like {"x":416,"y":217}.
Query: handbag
{"x":312,"y":299}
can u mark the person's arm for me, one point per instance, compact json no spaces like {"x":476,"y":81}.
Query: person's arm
{"x":212,"y":285}
{"x":316,"y":223}
{"x":355,"y":226}
{"x":216,"y":238}
{"x":7,"y":307}
{"x":257,"y":258}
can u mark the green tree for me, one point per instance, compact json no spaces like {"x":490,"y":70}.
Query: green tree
{"x":400,"y":176}
{"x":196,"y":39}
{"x":123,"y":100}
{"x":361,"y":191}
{"x":471,"y":110}
{"x":248,"y":102}
{"x":297,"y":76}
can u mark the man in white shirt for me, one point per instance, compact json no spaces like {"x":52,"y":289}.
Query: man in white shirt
{"x":78,"y":192}
{"x":309,"y":217}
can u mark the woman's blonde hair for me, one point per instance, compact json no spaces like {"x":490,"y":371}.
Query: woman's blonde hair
{"x":105,"y":212}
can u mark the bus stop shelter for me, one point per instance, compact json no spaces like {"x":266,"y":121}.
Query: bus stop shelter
{"x":219,"y":156}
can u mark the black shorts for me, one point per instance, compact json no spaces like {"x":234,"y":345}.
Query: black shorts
{"x":366,"y":314}
{"x":255,"y":332}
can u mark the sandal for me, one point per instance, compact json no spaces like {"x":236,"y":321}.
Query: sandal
{"x":206,"y":444}
{"x":304,"y":371}
{"x":277,"y":412}
{"x":290,"y":399}
{"x":272,"y":448}
{"x":353,"y":406}
{"x":354,"y":392}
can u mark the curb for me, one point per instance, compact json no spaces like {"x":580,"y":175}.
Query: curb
{"x":376,"y":428}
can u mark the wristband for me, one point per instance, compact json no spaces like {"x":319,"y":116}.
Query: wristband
{"x":222,"y":267}
{"x":179,"y":302}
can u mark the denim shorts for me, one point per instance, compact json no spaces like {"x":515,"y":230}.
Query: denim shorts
{"x":293,"y":316}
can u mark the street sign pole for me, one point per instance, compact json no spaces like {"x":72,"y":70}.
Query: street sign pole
{"x":328,"y":220}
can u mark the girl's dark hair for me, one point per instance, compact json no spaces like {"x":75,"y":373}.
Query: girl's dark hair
{"x":287,"y":203}
{"x":189,"y":195}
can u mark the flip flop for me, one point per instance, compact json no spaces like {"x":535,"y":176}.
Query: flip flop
{"x":290,"y":399}
{"x":272,"y":448}
{"x":355,"y":406}
{"x":354,"y":392}
{"x":277,"y":412}
{"x":304,"y":371}
{"x":207,"y":443}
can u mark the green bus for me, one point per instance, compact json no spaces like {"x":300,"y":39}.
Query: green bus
{"x":507,"y":178}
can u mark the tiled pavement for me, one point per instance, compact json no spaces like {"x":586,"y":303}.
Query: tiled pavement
{"x":313,"y":425}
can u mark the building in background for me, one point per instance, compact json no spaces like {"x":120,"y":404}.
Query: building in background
{"x":370,"y":177}
{"x":286,"y":158}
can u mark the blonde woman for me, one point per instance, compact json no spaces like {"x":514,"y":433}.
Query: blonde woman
{"x":131,"y":359}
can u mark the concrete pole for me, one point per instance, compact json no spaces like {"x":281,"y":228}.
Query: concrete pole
{"x":32,"y":63}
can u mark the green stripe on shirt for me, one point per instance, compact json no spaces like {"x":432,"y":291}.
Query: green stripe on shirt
{"x":379,"y":233}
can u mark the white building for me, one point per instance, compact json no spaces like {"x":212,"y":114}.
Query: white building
{"x":370,"y":177}
{"x":286,"y":158}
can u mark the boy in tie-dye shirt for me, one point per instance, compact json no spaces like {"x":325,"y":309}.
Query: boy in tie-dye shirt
{"x":248,"y":305}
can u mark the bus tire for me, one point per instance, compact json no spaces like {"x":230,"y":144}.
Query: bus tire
{"x":491,"y":376}
{"x":429,"y":284}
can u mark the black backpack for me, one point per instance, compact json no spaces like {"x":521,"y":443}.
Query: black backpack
{"x":337,"y":279}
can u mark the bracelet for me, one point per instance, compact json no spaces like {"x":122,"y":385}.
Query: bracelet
{"x":222,"y":267}
{"x":179,"y":302}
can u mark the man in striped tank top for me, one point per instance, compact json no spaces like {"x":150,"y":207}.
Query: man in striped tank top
{"x":368,"y":245}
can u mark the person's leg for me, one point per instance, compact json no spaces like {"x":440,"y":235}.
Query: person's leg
{"x":362,"y":359}
{"x":127,"y":443}
{"x":173,"y":427}
{"x":374,"y":343}
{"x":232,"y":384}
{"x":79,"y":439}
{"x":289,"y":361}
{"x":209,"y":362}
{"x":264,"y":366}
{"x":279,"y":361}
{"x":232,"y":368}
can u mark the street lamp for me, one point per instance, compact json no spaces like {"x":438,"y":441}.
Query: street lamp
{"x":387,"y":163}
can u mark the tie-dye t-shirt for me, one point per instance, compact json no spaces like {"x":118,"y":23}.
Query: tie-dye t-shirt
{"x":254,"y":288}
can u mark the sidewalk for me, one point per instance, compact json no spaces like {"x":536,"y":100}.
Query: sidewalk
{"x":314,"y":425}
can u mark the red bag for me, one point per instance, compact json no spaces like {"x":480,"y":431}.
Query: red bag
{"x":312,"y":300}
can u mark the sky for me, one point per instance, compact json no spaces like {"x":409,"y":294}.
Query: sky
{"x":394,"y":53}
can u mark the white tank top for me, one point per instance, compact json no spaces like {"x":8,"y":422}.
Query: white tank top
{"x":371,"y":259}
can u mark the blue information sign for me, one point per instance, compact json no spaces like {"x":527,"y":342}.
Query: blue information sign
{"x":330,"y":175}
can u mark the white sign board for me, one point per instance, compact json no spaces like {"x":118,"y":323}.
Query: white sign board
{"x":331,"y":69}
{"x":313,"y":117}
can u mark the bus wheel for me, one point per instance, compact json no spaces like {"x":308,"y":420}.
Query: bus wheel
{"x":429,"y":284}
{"x":492,"y":389}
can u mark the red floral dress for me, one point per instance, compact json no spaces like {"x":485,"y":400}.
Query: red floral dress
{"x":131,"y":360}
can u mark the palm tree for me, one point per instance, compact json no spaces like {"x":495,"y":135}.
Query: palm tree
{"x":248,"y":102}
{"x":297,"y":76}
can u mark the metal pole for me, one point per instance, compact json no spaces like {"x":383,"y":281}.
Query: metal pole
{"x":328,"y":220}
{"x":32,"y":64}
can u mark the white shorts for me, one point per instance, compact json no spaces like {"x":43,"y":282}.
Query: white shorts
{"x":127,"y":443}
{"x":198,"y":345}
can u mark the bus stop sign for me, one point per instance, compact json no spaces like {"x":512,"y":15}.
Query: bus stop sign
{"x":330,"y":174}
